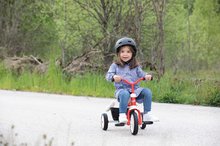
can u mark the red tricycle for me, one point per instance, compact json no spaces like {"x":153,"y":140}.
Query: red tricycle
{"x":134,"y":116}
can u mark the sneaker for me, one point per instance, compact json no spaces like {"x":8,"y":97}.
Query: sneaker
{"x":150,"y":118}
{"x":123,"y":118}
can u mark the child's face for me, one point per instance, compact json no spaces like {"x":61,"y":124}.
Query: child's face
{"x":125,"y":53}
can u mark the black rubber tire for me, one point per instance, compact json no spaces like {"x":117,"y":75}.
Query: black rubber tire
{"x":134,"y":123}
{"x":104,"y":121}
{"x":143,"y":126}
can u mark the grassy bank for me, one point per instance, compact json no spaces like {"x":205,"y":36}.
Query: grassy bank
{"x":55,"y":82}
{"x":200,"y":88}
{"x":196,"y":88}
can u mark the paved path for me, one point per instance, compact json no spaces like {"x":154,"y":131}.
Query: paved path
{"x":67,"y":119}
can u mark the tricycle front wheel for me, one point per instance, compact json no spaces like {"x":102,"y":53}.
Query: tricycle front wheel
{"x":134,"y":123}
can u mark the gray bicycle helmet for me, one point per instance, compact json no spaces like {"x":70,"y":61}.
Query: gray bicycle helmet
{"x":125,"y":41}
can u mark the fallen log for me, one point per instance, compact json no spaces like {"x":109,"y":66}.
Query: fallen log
{"x":25,"y":63}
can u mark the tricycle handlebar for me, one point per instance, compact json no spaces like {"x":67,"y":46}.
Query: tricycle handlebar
{"x":134,"y":83}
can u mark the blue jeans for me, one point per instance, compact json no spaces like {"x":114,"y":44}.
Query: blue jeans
{"x":144,"y":97}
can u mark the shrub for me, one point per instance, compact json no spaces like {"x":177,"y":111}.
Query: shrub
{"x":215,"y":98}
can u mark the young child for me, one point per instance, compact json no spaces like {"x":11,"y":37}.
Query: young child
{"x":127,"y":67}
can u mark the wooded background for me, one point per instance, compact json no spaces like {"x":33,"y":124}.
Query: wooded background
{"x":176,"y":35}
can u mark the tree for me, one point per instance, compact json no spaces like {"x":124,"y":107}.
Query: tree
{"x":116,"y":19}
{"x":158,"y":52}
{"x":205,"y":33}
{"x":26,"y":27}
{"x":10,"y":19}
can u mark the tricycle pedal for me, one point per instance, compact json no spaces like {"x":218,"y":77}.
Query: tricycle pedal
{"x":148,"y":122}
{"x":119,"y":124}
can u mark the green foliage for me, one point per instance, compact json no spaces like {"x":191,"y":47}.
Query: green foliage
{"x":197,"y":89}
{"x":205,"y":31}
{"x":77,"y":30}
{"x":55,"y":82}
{"x":169,"y":97}
{"x":192,"y":32}
{"x":92,"y":85}
{"x":70,"y":27}
{"x":27,"y":27}
{"x":39,"y":28}
{"x":52,"y":29}
{"x":215,"y":100}
{"x":176,"y":34}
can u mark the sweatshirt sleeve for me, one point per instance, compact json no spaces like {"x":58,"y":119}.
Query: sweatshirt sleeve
{"x":111,"y":72}
{"x":140,"y":72}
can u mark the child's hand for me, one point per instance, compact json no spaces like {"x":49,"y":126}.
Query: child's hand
{"x":117,"y":78}
{"x":148,"y":77}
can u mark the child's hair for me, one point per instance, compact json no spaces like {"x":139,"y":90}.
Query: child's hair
{"x":132,"y":63}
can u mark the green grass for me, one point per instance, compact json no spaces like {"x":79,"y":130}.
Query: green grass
{"x":54,"y":81}
{"x":194,"y":88}
{"x":200,"y":88}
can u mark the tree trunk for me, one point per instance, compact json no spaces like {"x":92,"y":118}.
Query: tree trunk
{"x":159,"y":9}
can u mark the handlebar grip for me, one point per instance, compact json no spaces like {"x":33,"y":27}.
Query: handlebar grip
{"x":150,"y":79}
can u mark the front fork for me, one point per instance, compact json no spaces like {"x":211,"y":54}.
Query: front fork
{"x":134,"y":109}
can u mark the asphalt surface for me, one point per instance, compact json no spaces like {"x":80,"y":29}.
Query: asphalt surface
{"x":72,"y":119}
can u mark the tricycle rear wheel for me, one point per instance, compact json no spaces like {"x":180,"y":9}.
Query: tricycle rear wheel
{"x":104,"y":121}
